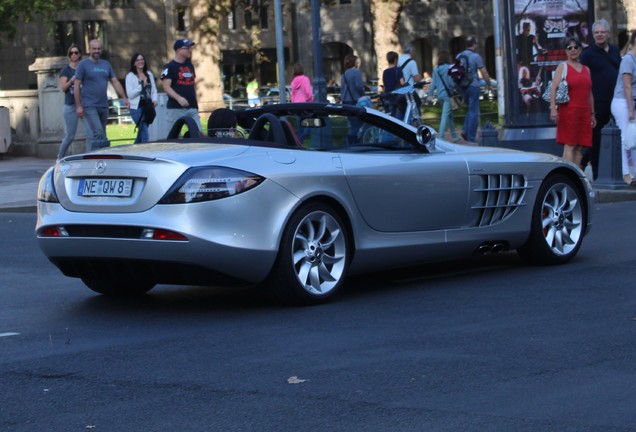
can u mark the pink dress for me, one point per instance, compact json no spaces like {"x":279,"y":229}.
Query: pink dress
{"x":574,"y":125}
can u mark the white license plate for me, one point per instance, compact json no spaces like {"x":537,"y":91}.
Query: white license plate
{"x":105,"y":187}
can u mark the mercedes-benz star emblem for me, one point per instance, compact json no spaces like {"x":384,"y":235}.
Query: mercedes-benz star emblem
{"x":101,"y":166}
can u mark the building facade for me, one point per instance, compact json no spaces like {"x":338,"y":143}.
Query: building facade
{"x":247,"y":38}
{"x":150,"y":27}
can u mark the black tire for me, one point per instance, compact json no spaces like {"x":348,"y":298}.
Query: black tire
{"x":119,"y":288}
{"x":558,"y":223}
{"x":313,"y":257}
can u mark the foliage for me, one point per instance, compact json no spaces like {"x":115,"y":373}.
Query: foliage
{"x":12,"y":10}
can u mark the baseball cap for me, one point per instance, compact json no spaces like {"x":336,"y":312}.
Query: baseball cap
{"x":180,"y":43}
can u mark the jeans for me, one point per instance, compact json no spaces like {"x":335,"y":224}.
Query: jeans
{"x":603,"y":115}
{"x":303,"y":133}
{"x":447,"y":118}
{"x":471,"y":97}
{"x":142,"y":128}
{"x":95,"y":120}
{"x":174,"y":114}
{"x":70,"y":127}
{"x":354,"y":127}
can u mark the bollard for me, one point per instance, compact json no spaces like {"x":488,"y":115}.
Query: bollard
{"x":609,"y":165}
{"x":489,"y":136}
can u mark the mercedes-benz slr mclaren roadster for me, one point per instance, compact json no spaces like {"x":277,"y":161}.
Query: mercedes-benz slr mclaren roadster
{"x":362,"y":192}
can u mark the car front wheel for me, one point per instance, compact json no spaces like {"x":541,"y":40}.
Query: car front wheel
{"x":558,"y":223}
{"x":313,"y":256}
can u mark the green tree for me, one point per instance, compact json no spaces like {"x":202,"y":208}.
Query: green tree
{"x":11,"y":11}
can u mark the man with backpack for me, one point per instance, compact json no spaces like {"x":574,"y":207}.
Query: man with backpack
{"x":408,"y":66}
{"x":466,"y":78}
{"x":410,"y":76}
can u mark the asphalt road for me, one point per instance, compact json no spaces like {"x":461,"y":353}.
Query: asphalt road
{"x":486,"y":344}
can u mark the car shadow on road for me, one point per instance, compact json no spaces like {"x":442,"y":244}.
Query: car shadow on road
{"x":426,"y":275}
{"x":175,"y":298}
{"x":169,"y":299}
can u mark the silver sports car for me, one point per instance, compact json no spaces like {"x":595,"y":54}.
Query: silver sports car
{"x":360,"y":191}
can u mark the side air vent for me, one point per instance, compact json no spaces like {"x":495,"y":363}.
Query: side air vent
{"x":499,"y":196}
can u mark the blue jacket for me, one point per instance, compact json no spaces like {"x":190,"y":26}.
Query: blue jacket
{"x":351,"y":86}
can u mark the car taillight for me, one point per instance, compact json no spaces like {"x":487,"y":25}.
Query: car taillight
{"x":210,"y":183}
{"x":46,"y":187}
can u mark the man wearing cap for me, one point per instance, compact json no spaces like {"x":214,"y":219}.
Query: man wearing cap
{"x":178,"y":82}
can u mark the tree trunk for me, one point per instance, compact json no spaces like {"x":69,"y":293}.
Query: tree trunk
{"x":206,"y":54}
{"x":630,"y":12}
{"x":386,"y":20}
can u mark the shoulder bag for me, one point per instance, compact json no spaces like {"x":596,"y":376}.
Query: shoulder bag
{"x":456,"y":100}
{"x":562,"y":92}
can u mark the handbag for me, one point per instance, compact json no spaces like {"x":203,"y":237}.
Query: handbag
{"x":629,"y":137}
{"x":149,"y":113}
{"x":456,"y":100}
{"x":562,"y":92}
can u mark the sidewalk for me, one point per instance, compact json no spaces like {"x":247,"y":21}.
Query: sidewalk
{"x":19,"y":178}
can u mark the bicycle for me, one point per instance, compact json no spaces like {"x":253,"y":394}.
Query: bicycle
{"x":412,"y":114}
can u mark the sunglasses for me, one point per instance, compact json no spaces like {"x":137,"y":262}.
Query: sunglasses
{"x":573,"y":48}
{"x":75,"y":52}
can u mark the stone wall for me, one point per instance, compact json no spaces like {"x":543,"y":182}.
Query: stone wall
{"x":24,"y":120}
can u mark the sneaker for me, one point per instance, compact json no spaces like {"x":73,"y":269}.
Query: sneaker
{"x":456,"y":139}
{"x":464,"y":136}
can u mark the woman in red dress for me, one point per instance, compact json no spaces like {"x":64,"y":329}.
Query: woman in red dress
{"x":575,"y":119}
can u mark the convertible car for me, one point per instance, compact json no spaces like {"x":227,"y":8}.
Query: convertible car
{"x":362,"y":192}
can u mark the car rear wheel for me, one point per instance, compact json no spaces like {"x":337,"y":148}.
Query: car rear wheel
{"x":558,"y":223}
{"x":313,"y":257}
{"x":119,"y":288}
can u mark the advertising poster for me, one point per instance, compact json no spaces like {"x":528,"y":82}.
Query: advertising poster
{"x":537,"y":37}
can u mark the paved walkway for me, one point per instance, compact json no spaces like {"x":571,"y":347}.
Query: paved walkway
{"x":19,"y":178}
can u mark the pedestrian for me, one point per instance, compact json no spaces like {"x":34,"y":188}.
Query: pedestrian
{"x":623,"y":106}
{"x":66,"y":81}
{"x":301,"y":89}
{"x":352,"y":89}
{"x":470,"y":94}
{"x":441,"y":86}
{"x":91,"y":95}
{"x":179,"y":79}
{"x":391,"y":77}
{"x":301,"y":92}
{"x":407,"y":64}
{"x":252,"y":91}
{"x":576,"y":118}
{"x":142,"y":91}
{"x":410,"y":76}
{"x":603,"y":59}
